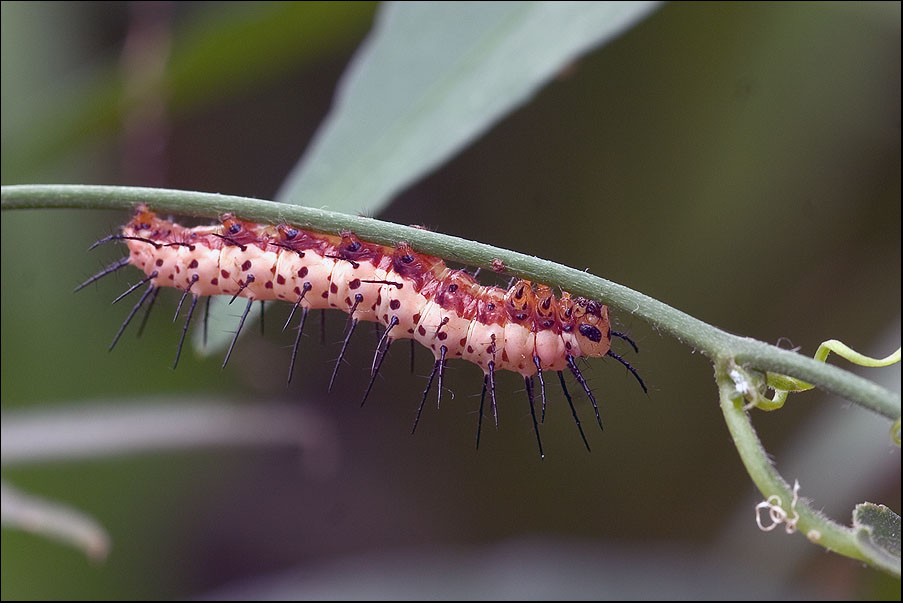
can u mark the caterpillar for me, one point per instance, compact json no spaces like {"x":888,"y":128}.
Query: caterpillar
{"x":525,"y":329}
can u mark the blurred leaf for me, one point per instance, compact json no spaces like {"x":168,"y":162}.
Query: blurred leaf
{"x":225,"y":48}
{"x":431,"y":78}
{"x":878,"y":531}
{"x":240,"y":44}
{"x":53,"y":520}
{"x":108,"y":430}
{"x":113,"y":429}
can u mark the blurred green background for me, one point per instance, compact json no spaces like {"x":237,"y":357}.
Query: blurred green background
{"x":739,"y":161}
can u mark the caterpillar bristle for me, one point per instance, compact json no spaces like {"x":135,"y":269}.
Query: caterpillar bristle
{"x":528,"y":383}
{"x":632,"y":343}
{"x":241,"y":323}
{"x":242,"y":285}
{"x":542,"y":386}
{"x":147,"y":311}
{"x":128,"y":318}
{"x":589,"y":392}
{"x":106,"y":239}
{"x":567,"y":395}
{"x":194,"y":279}
{"x":338,"y":362}
{"x":379,"y":356}
{"x":194,"y":302}
{"x":374,"y":370}
{"x":207,"y":317}
{"x":443,"y":350}
{"x":120,"y":263}
{"x":291,"y":366}
{"x":480,"y":415}
{"x":119,"y":237}
{"x":387,"y":339}
{"x":152,"y":276}
{"x":305,"y":288}
{"x":632,"y":370}
{"x":492,"y":402}
{"x":230,"y":240}
{"x":352,"y":324}
{"x":426,"y":391}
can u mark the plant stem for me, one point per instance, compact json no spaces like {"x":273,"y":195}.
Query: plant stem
{"x":815,"y":526}
{"x":712,"y":341}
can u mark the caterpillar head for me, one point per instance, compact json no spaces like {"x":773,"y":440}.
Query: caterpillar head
{"x":593,"y":330}
{"x":587,"y":321}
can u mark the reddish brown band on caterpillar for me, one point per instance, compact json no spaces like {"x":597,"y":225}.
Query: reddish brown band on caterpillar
{"x":525,"y":329}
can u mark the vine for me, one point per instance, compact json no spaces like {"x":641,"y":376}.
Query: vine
{"x":743,"y":366}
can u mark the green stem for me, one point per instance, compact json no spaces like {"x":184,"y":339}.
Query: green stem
{"x":693,"y":332}
{"x":814,"y":525}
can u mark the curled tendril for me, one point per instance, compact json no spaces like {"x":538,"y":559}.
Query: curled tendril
{"x":777,"y":514}
{"x":784,"y":385}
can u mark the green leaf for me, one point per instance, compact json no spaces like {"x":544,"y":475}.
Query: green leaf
{"x":877,"y":529}
{"x":431,"y":78}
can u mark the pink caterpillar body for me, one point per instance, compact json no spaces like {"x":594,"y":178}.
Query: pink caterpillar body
{"x":525,"y":329}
